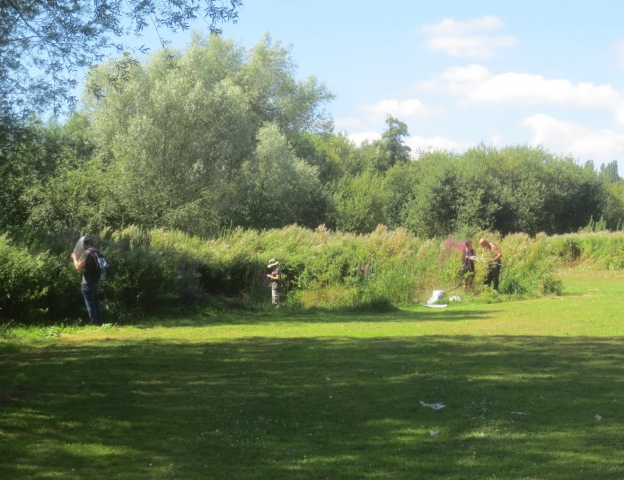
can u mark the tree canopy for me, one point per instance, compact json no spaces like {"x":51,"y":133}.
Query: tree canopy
{"x":44,"y":42}
{"x":218,"y":136}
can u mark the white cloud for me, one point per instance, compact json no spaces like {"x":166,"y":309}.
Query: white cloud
{"x":358,"y":138}
{"x":417,"y":143}
{"x":356,"y":123}
{"x":475,"y":84}
{"x":579,"y":140}
{"x":407,"y":108}
{"x":496,"y":140}
{"x":620,"y":53}
{"x":452,"y":37}
{"x":448,"y":26}
{"x":470,"y":46}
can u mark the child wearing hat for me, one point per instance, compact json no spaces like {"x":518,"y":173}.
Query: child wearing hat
{"x":276,"y":281}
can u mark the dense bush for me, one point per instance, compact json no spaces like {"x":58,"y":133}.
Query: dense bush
{"x":23,"y":282}
{"x":154,"y":269}
{"x":603,"y":249}
{"x":529,"y":266}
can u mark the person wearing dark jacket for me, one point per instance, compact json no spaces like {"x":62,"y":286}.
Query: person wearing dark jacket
{"x":91,"y":272}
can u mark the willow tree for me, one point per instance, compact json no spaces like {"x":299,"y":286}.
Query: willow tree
{"x":177,"y":131}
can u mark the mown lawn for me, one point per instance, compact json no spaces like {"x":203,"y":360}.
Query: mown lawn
{"x":533,"y":389}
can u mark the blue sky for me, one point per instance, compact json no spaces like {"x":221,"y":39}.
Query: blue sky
{"x":458,"y":72}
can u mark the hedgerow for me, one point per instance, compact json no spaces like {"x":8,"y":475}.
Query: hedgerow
{"x":156,"y":269}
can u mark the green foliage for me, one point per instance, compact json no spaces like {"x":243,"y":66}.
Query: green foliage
{"x":152,"y":270}
{"x":613,"y":205}
{"x":604,"y":249}
{"x":6,"y":330}
{"x":276,"y":188}
{"x":513,"y":189}
{"x":609,"y":172}
{"x":359,"y":203}
{"x":23,"y":282}
{"x":200,"y":139}
{"x":595,"y":226}
{"x":529,"y":266}
{"x":217,"y":136}
{"x":143,"y":277}
{"x":43,"y":43}
{"x":390,"y":149}
{"x":31,"y":161}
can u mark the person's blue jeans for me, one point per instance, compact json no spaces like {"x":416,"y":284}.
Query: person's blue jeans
{"x":90,"y":293}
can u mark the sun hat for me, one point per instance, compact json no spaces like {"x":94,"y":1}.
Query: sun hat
{"x":272,"y":263}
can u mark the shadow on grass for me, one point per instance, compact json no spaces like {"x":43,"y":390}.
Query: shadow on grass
{"x":315,"y":315}
{"x":312,"y":408}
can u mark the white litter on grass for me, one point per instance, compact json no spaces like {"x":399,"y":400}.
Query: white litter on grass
{"x":434,"y":406}
{"x":455,"y":298}
{"x":519,"y":413}
{"x":598,"y":417}
{"x":435,"y":306}
{"x":436,"y":296}
{"x":327,"y":378}
{"x":433,"y":433}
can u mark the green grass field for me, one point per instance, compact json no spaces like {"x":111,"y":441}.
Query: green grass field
{"x":533,"y":389}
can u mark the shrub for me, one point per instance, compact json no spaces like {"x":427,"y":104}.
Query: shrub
{"x":603,"y":249}
{"x":23,"y":282}
{"x":529,"y":268}
{"x":151,"y":270}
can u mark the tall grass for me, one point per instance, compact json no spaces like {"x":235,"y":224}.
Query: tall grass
{"x":601,"y":249}
{"x":155,"y":269}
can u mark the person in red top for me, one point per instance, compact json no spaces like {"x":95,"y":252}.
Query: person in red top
{"x":494,"y":267}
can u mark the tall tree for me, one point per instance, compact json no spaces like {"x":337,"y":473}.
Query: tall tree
{"x":275,"y":188}
{"x":391,"y":149}
{"x":44,"y":42}
{"x":609,"y":172}
{"x":179,"y":129}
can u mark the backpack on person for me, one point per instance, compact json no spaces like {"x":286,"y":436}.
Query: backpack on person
{"x":104,"y":266}
{"x":97,"y":268}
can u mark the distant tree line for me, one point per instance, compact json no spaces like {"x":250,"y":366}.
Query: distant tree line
{"x":219,"y":136}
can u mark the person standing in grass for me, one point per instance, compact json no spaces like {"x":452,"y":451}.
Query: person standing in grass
{"x":276,"y":282}
{"x":91,"y":273}
{"x":468,"y":266}
{"x":494,"y":264}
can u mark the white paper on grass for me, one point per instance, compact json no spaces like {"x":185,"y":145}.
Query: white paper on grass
{"x":434,"y":406}
{"x":435,"y":296}
{"x":443,"y":305}
{"x":79,"y":249}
